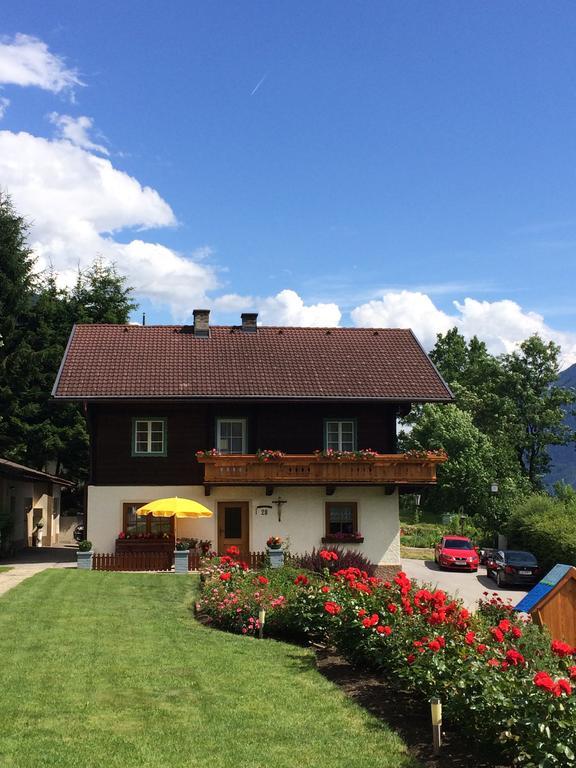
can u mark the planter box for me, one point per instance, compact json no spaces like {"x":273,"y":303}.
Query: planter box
{"x":342,"y":540}
{"x":144,"y":545}
{"x":276,"y":558}
{"x":84,"y":560}
{"x":181,"y":560}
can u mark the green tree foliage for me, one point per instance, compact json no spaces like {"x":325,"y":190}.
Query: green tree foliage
{"x":536,"y":406}
{"x":36,"y":318}
{"x":16,"y":291}
{"x":464,"y":481}
{"x":511,"y":398}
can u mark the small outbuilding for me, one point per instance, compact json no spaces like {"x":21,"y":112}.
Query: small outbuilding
{"x":552,"y":603}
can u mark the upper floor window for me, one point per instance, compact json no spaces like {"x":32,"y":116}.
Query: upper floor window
{"x":231,"y":435}
{"x":340,"y":435}
{"x":149,"y":437}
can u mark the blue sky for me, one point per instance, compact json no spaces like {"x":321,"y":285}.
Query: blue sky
{"x":368,"y":163}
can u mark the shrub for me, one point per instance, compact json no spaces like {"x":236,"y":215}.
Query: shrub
{"x":422,"y":535}
{"x":85,"y":546}
{"x":345,"y":558}
{"x":546,"y":527}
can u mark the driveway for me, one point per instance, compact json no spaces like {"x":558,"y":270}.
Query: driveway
{"x":468,"y":586}
{"x":31,"y":561}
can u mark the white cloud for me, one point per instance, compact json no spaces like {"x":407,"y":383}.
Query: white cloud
{"x":285,"y":308}
{"x":4,"y":104}
{"x":502,"y":325}
{"x":76,"y":130}
{"x":26,"y":60}
{"x":405,"y":309}
{"x":77,"y":203}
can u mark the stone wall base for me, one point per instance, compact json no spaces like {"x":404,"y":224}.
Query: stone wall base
{"x":387,"y":571}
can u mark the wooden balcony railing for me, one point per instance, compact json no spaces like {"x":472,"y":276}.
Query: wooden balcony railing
{"x":311,"y":469}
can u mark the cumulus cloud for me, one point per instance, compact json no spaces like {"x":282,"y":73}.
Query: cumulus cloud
{"x":76,"y":130}
{"x":285,"y":308}
{"x":4,"y":104}
{"x":502,"y":325}
{"x":78,"y":203}
{"x":26,"y":60}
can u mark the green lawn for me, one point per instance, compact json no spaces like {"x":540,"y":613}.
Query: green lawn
{"x":110,"y":670}
{"x":416,"y":553}
{"x":4,"y":568}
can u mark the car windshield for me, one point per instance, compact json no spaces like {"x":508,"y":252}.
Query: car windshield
{"x":520,"y":557}
{"x":457,"y":544}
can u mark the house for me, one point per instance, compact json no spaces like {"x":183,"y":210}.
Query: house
{"x":28,"y":496}
{"x":233,"y":416}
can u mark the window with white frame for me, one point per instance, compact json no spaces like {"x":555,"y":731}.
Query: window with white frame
{"x":340,"y":435}
{"x":149,"y":437}
{"x":231,"y":435}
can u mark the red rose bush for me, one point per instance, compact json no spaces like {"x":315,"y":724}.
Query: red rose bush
{"x":502,"y":681}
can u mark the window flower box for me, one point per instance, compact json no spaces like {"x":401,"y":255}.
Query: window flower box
{"x":342,"y":538}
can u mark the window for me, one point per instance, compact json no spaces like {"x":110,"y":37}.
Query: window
{"x":145,"y":524}
{"x":341,"y":519}
{"x":340,"y":435}
{"x":231,"y":435}
{"x":149,"y":437}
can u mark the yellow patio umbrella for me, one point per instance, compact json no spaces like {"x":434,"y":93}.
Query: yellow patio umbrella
{"x":174,"y":507}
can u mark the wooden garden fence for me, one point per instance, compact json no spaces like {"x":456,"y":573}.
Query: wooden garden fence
{"x":162,"y":561}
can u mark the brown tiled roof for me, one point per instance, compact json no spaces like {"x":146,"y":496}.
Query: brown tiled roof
{"x":110,"y":361}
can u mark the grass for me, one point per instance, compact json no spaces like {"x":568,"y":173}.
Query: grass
{"x":111,"y":669}
{"x":5,"y":568}
{"x":416,"y":553}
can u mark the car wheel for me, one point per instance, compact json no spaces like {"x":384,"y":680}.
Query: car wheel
{"x":499,"y":579}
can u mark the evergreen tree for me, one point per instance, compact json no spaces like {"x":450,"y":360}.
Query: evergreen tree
{"x":16,"y":356}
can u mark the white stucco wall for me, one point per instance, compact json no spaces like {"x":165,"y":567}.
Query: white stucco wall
{"x":302,"y":523}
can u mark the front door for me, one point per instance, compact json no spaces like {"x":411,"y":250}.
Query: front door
{"x":233,"y":526}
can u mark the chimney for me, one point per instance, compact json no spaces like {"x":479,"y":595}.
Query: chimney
{"x":201,"y":320}
{"x":249,"y":322}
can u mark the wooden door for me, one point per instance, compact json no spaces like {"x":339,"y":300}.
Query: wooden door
{"x":233,"y":526}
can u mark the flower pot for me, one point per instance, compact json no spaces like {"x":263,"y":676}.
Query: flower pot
{"x":181,"y":560}
{"x":276,"y":557}
{"x":84,"y":560}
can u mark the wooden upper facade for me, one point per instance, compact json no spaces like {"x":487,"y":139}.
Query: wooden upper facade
{"x":155,"y":396}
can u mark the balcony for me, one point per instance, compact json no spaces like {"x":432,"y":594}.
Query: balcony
{"x":313,"y":469}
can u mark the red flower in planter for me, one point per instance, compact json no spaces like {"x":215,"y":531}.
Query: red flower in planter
{"x":481,"y":648}
{"x":497,"y":634}
{"x":233,"y":550}
{"x":225,"y":576}
{"x":328,"y":555}
{"x":392,"y":607}
{"x":301,"y":579}
{"x":383,"y":630}
{"x":371,"y":621}
{"x":262,"y":580}
{"x":325,"y":589}
{"x":469,"y":638}
{"x":543,"y":680}
{"x":516,"y":632}
{"x":411,"y":658}
{"x":572,"y":671}
{"x":332,"y":608}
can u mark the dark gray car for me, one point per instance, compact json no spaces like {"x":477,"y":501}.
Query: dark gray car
{"x":512,"y":566}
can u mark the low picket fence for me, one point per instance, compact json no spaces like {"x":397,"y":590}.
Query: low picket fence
{"x":162,"y":561}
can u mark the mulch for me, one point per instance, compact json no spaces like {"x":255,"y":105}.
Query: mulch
{"x":404,"y":713}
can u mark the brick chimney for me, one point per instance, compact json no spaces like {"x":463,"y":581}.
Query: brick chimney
{"x":249,"y":322}
{"x":201,"y":322}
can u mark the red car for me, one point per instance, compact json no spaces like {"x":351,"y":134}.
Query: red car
{"x":456,"y":552}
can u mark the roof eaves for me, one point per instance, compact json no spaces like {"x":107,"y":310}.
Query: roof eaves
{"x":64,"y":356}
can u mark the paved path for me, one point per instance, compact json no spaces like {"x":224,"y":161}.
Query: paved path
{"x":29,"y":562}
{"x":468,"y":586}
